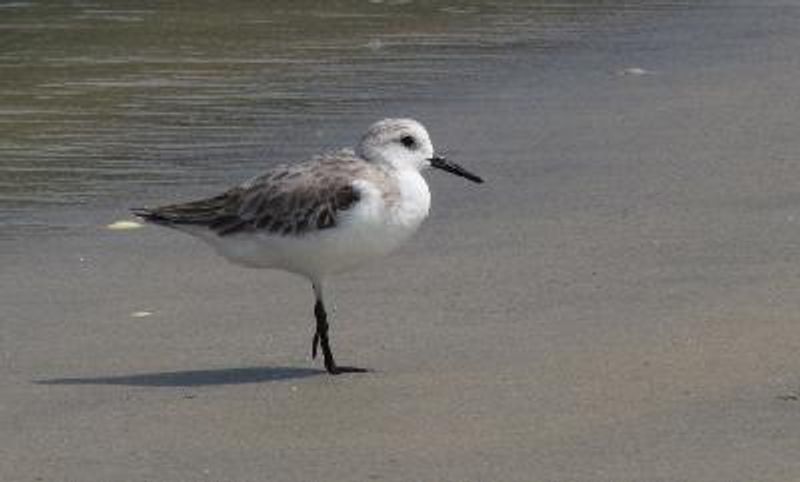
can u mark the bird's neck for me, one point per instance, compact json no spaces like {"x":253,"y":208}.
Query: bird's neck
{"x":415,"y":197}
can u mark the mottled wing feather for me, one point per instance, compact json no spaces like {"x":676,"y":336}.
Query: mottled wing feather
{"x":285,"y":201}
{"x":294,"y":208}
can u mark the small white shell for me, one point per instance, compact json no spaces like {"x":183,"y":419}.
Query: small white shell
{"x":634,"y":71}
{"x":121,"y":225}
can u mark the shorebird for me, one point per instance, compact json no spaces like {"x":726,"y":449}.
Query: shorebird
{"x":324,"y":216}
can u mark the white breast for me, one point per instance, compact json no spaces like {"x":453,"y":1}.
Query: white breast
{"x":379,"y":224}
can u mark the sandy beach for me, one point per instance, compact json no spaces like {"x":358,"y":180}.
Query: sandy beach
{"x":619,"y":302}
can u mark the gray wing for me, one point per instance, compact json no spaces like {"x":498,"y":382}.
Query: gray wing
{"x":285,"y":201}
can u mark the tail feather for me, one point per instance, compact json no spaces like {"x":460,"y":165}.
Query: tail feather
{"x":150,"y":215}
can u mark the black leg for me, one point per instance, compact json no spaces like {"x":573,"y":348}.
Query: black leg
{"x":321,"y":337}
{"x":321,"y":340}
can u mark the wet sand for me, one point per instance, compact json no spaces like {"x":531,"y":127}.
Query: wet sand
{"x":618,"y":303}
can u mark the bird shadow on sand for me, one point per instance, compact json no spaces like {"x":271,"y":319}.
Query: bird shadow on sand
{"x":192,"y":378}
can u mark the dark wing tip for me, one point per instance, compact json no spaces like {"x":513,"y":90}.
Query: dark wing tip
{"x":149,"y":215}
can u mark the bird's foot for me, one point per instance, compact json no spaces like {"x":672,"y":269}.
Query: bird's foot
{"x":338,"y":370}
{"x":321,"y":341}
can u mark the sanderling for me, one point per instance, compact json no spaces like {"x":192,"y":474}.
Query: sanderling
{"x":324,"y":216}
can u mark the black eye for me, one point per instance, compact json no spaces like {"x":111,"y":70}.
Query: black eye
{"x":408,"y":141}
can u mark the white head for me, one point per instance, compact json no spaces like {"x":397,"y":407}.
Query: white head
{"x":401,"y":143}
{"x":405,"y":144}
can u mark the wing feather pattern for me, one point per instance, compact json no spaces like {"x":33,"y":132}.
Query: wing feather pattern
{"x":287,"y":201}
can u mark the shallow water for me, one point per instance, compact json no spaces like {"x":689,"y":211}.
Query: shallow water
{"x":101,"y":104}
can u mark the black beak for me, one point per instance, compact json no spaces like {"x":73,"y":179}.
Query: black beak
{"x":441,"y":163}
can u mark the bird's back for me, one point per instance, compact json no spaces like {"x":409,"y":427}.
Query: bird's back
{"x":288,"y":200}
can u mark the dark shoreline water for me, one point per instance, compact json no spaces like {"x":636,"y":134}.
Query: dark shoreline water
{"x":101,"y":106}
